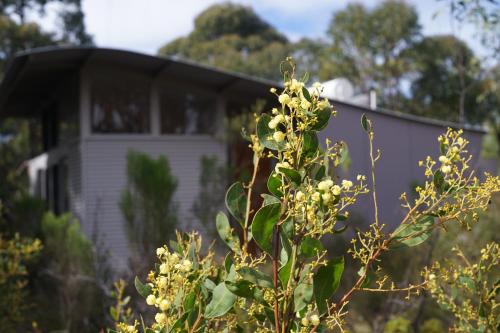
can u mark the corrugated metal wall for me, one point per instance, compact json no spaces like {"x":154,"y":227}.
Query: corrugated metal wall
{"x":403,"y":142}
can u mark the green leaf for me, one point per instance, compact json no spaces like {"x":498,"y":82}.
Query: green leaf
{"x":326,"y":281}
{"x":189,"y":301}
{"x":179,"y":323}
{"x":236,"y":201}
{"x":292,"y":175}
{"x":269,"y":199}
{"x":209,"y":284}
{"x":412,"y":234}
{"x":439,"y":181}
{"x":310,"y":144}
{"x":222,"y":301}
{"x":306,"y":94}
{"x":310,"y":247}
{"x":143,"y":289}
{"x":340,"y":230}
{"x":263,"y":223}
{"x":241,"y":288}
{"x":113,"y":313}
{"x":224,"y":230}
{"x":284,"y":272}
{"x":320,"y":174}
{"x":274,"y":184}
{"x":256,"y":277}
{"x":323,"y":116}
{"x":265,"y":134}
{"x":365,"y":123}
{"x":370,"y":276}
{"x":302,"y":296}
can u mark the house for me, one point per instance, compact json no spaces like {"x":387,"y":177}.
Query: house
{"x":94,"y":104}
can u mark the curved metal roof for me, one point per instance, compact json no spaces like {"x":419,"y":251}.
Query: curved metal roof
{"x":32,"y":74}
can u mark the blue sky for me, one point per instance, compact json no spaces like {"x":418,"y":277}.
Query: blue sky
{"x":145,"y":25}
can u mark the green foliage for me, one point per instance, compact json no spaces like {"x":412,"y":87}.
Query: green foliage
{"x":147,"y":202}
{"x":67,"y":246}
{"x":232,"y":37}
{"x":432,"y":326}
{"x":213,"y":179}
{"x":398,"y":325}
{"x":15,"y":254}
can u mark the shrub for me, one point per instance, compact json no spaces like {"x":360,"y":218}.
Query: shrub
{"x":147,"y":202}
{"x":290,"y":283}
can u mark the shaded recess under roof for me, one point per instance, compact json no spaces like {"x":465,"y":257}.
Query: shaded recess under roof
{"x":32,"y":75}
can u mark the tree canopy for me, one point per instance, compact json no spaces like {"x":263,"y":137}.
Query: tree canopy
{"x":232,"y":37}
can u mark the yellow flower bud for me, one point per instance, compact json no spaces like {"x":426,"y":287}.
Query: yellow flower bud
{"x":272,"y":124}
{"x":162,"y":282}
{"x":284,"y":98}
{"x":304,"y":322}
{"x":163,"y":268}
{"x":336,"y":190}
{"x":305,"y":104}
{"x":323,"y":104}
{"x":151,"y":300}
{"x":300,"y":196}
{"x":315,"y":319}
{"x":160,"y":251}
{"x":325,"y":185}
{"x":316,"y":196}
{"x":347,"y":184}
{"x":446,"y":169}
{"x":164,"y":305}
{"x":160,"y":318}
{"x":443,"y":159}
{"x":278,"y":136}
{"x":326,"y":197}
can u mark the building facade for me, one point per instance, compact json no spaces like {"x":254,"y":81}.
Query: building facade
{"x":94,"y":105}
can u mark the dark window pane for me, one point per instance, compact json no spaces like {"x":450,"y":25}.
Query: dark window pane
{"x":120,"y":107}
{"x":185,"y":112}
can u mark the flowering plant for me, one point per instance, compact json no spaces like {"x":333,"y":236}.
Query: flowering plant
{"x":304,"y":203}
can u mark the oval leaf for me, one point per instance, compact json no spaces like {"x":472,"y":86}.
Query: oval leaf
{"x":256,"y":277}
{"x":326,"y":281}
{"x":263,"y":223}
{"x":322,"y":116}
{"x":365,"y":123}
{"x":310,"y":247}
{"x":265,"y":134}
{"x":292,"y":175}
{"x":274,"y":184}
{"x":222,"y":301}
{"x":225,"y":232}
{"x":413,"y":234}
{"x":143,"y":289}
{"x":310,"y":144}
{"x":302,"y":296}
{"x":236,"y":201}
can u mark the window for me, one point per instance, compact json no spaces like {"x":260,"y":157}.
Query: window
{"x":119,"y":105}
{"x":186,"y":112}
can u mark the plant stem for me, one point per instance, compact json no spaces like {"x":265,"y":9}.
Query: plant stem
{"x":374,"y":185}
{"x":276,"y":247}
{"x":249,"y":202}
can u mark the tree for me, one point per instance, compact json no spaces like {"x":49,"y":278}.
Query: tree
{"x":366,"y":47}
{"x":71,"y":15}
{"x":232,"y":37}
{"x":445,"y":79}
